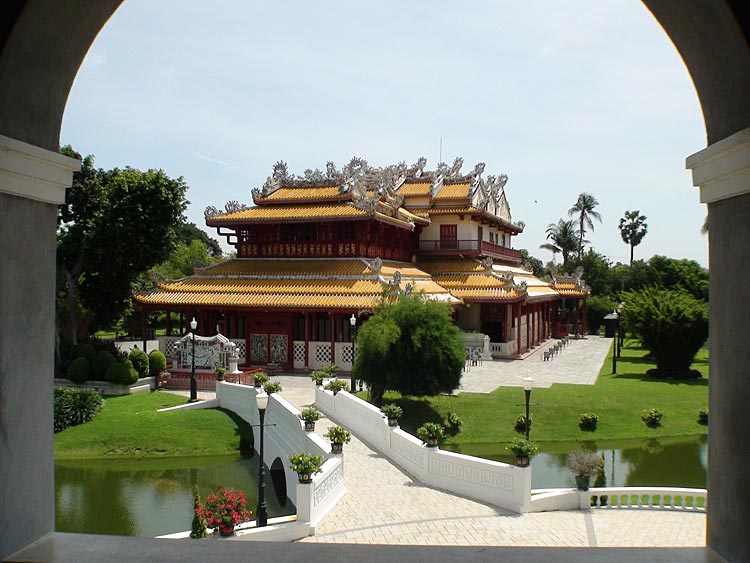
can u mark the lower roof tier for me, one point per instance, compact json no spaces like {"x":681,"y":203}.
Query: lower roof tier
{"x":346,"y":284}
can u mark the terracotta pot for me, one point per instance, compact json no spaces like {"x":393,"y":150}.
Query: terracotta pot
{"x":309,"y":426}
{"x":336,"y":448}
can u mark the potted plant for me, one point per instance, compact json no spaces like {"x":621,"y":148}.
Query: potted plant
{"x":272,"y":387}
{"x":584,"y":464}
{"x":523,"y":449}
{"x":305,"y":465}
{"x":224,"y":510}
{"x":338,"y":435}
{"x":318,"y":376}
{"x":331,"y":370}
{"x":309,"y":416}
{"x":431,"y":433}
{"x":337,"y":385}
{"x":393,"y":412}
{"x":221,"y":373}
{"x":260,"y":378}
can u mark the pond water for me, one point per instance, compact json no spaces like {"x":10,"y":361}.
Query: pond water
{"x":155,"y":496}
{"x":676,"y":462}
{"x":150,"y":497}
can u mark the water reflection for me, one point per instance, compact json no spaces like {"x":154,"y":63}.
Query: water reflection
{"x":147,"y":497}
{"x":676,"y":462}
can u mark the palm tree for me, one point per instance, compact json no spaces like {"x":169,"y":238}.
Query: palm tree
{"x":565,"y":240}
{"x":633,"y":228}
{"x":584,"y":209}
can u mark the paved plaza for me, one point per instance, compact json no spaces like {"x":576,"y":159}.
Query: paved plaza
{"x":578,"y":362}
{"x":384,"y":505}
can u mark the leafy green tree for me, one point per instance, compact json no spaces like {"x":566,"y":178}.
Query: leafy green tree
{"x":670,"y":273}
{"x":410,"y":346}
{"x":183,"y":261}
{"x":533,"y":263}
{"x":597,"y":308}
{"x":673,"y":325}
{"x":633,"y":228}
{"x":115,"y":225}
{"x":597,"y":271}
{"x":584,"y":210}
{"x":565,"y":240}
{"x":186,"y":233}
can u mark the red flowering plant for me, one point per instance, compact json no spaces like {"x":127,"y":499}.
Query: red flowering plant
{"x":224,"y":510}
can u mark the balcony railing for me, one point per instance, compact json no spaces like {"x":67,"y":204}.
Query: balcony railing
{"x":454,"y":246}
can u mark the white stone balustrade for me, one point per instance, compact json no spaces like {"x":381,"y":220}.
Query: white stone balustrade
{"x":502,"y":485}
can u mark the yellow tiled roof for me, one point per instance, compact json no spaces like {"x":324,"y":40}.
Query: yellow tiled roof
{"x":415,"y":189}
{"x":406,"y":269}
{"x":265,"y":300}
{"x":288,"y":266}
{"x":487,"y":294}
{"x":303,"y":193}
{"x":335,"y":284}
{"x":291,"y":213}
{"x":453,"y":191}
{"x":275,"y":286}
{"x":451,"y":265}
{"x":453,"y":281}
{"x":570,"y":289}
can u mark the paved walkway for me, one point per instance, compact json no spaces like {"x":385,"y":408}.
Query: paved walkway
{"x":384,"y":505}
{"x":579,"y":362}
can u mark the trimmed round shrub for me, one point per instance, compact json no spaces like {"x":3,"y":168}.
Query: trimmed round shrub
{"x":100,"y":364}
{"x":140,"y":362}
{"x":79,"y":370}
{"x":75,"y":406}
{"x":85,"y":351}
{"x":122,"y":373}
{"x":157,"y":362}
{"x":588,"y":421}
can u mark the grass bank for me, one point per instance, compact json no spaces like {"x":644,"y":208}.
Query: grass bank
{"x":618,"y":400}
{"x":130,"y":427}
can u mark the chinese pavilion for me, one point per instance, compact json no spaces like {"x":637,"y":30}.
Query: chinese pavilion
{"x":316,"y":251}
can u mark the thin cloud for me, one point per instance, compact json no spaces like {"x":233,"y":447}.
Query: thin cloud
{"x":215,"y":160}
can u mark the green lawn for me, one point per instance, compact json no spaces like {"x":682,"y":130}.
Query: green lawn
{"x":617,"y":399}
{"x":130,"y":427}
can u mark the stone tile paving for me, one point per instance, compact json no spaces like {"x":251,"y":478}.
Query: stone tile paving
{"x":579,"y":362}
{"x":384,"y":505}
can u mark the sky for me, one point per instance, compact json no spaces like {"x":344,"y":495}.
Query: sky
{"x":563,"y":97}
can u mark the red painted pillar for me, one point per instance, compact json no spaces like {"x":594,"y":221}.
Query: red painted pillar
{"x":528,"y":328}
{"x":518,"y":327}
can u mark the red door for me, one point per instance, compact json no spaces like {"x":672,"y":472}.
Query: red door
{"x":448,"y":236}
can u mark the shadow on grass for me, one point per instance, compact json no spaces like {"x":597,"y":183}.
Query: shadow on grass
{"x":243,"y":431}
{"x":701,"y":382}
{"x":417,"y":411}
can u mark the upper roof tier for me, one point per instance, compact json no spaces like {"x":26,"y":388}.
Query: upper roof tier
{"x":403,"y":195}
